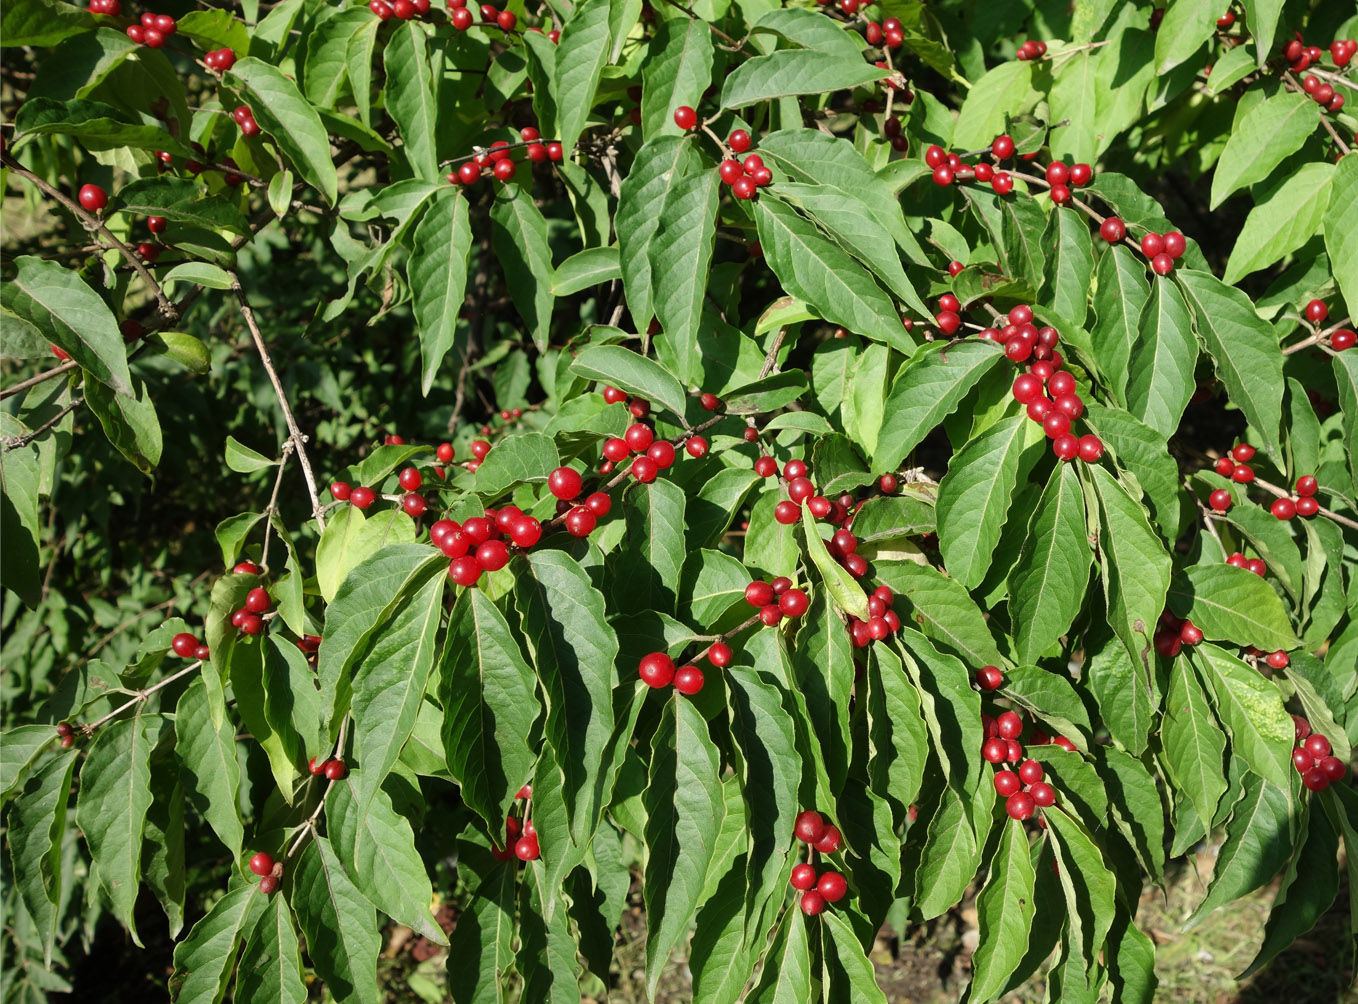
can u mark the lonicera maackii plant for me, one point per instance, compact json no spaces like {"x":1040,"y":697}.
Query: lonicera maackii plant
{"x":854,"y":459}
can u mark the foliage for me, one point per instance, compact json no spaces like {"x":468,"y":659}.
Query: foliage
{"x":606,"y":503}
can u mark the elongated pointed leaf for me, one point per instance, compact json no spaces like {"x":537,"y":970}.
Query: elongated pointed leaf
{"x":289,"y":121}
{"x":681,"y":256}
{"x":684,"y":809}
{"x":1232,"y":605}
{"x":677,"y":71}
{"x":1284,"y":221}
{"x":1258,"y":842}
{"x":1119,"y":298}
{"x":944,"y":610}
{"x":1251,"y":708}
{"x":490,"y":704}
{"x":1194,"y":744}
{"x":794,"y":71}
{"x":1269,"y":133}
{"x":271,"y":965}
{"x":1309,"y":886}
{"x":205,"y":960}
{"x":1142,"y":451}
{"x":632,"y":372}
{"x":438,"y":279}
{"x":843,"y":588}
{"x":1341,"y":229}
{"x":1047,"y":585}
{"x":339,"y":924}
{"x":1161,"y":371}
{"x":37,"y":826}
{"x":1087,"y":880}
{"x":898,"y":736}
{"x":484,"y":933}
{"x":842,"y":945}
{"x":647,"y":573}
{"x":519,"y":236}
{"x":1070,"y":268}
{"x":412,"y":100}
{"x":1005,"y":911}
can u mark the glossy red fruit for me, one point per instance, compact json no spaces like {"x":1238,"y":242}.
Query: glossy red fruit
{"x":1175,"y":244}
{"x":1030,"y":772}
{"x":1301,"y":728}
{"x":1283,"y":509}
{"x":1162,"y":264}
{"x":793,"y":603}
{"x":480,"y":448}
{"x":685,"y":117}
{"x":1315,"y":779}
{"x":994,"y":750}
{"x":262,"y":863}
{"x":1190,"y":633}
{"x":1242,"y":474}
{"x":580,"y":522}
{"x":1043,"y":794}
{"x":720,"y":654}
{"x":1020,"y":805}
{"x":1317,"y":745}
{"x":803,"y":877}
{"x":832,"y":886}
{"x":1002,"y":183}
{"x":656,"y":670}
{"x":1112,"y":230}
{"x":688,"y":680}
{"x":787,"y":512}
{"x":1343,"y":339}
{"x":808,"y":826}
{"x":770,"y":615}
{"x":1002,"y":148}
{"x":829,"y":840}
{"x":1302,"y":760}
{"x":1008,"y":725}
{"x":645,"y":470}
{"x":183,"y":645}
{"x":1152,"y":244}
{"x":1307,"y":485}
{"x":251,"y":623}
{"x":492,"y":556}
{"x":257,"y":600}
{"x":335,"y":770}
{"x":1332,"y":767}
{"x":1006,"y":783}
{"x":639,"y":437}
{"x":758,"y":594}
{"x":738,"y":141}
{"x":92,"y":198}
{"x":565,"y":483}
{"x":1277,"y":660}
{"x":1220,"y":500}
{"x":315,"y":767}
{"x":525,"y":531}
{"x":526,"y":848}
{"x":464,"y":570}
{"x":1316,"y":311}
{"x":812,"y":903}
{"x":662,"y":452}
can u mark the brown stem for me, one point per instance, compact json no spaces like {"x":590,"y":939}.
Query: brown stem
{"x":298,"y":440}
{"x":1283,"y":493}
{"x":309,"y":827}
{"x":93,"y":222}
{"x":15,"y":443}
{"x":1338,"y":140}
{"x":272,"y":507}
{"x":142,"y":695}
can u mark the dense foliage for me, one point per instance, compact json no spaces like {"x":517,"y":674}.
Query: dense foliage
{"x":813,"y":464}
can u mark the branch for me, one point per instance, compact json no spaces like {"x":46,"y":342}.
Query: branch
{"x":1283,"y":493}
{"x":309,"y":826}
{"x":1339,"y":142}
{"x":142,"y":695}
{"x":272,"y":507}
{"x":92,"y":222}
{"x":15,"y":442}
{"x":298,"y":440}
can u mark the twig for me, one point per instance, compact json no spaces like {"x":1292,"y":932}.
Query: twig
{"x":1315,"y":338}
{"x":1207,"y":519}
{"x":1283,"y":493}
{"x":272,"y":507}
{"x":142,"y":695}
{"x":736,"y":45}
{"x":1338,"y":140}
{"x":42,"y":377}
{"x":92,"y":222}
{"x":1336,"y":78}
{"x":298,"y":439}
{"x":771,"y":357}
{"x":309,"y":826}
{"x":15,"y":443}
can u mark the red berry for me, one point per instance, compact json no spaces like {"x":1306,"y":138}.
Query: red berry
{"x":685,"y":117}
{"x":492,"y":556}
{"x":183,"y":645}
{"x":1307,"y":506}
{"x":1283,"y":509}
{"x":268,"y":884}
{"x":580,"y":522}
{"x":639,"y":437}
{"x":793,"y":603}
{"x":93,"y":198}
{"x":1343,"y":339}
{"x":1006,"y":783}
{"x":1043,"y":794}
{"x":1152,"y":245}
{"x":1002,"y":183}
{"x":770,"y":615}
{"x":1332,"y":767}
{"x":1175,"y":244}
{"x":1220,"y":500}
{"x":464,"y":570}
{"x":787,"y":512}
{"x":812,"y":903}
{"x":565,"y":483}
{"x":1307,"y":485}
{"x":803,"y":877}
{"x":989,"y":678}
{"x":832,"y":886}
{"x":1091,"y":448}
{"x":1030,"y":772}
{"x":1020,"y":805}
{"x":994,"y":750}
{"x":829,"y":840}
{"x":1316,"y":310}
{"x":1112,"y":230}
{"x":739,"y":141}
{"x":1302,"y":760}
{"x":335,"y":770}
{"x":662,"y":452}
{"x":1301,"y":728}
{"x":720,"y":654}
{"x":262,"y":863}
{"x":526,"y":847}
{"x":1002,"y":148}
{"x":257,"y":600}
{"x":696,"y":447}
{"x":1190,"y":633}
{"x":1008,"y":725}
{"x":1315,"y":779}
{"x":645,"y":470}
{"x":758,"y":594}
{"x":656,"y":670}
{"x":1317,"y":745}
{"x":1162,"y":264}
{"x":808,"y":826}
{"x":1277,"y":660}
{"x":688,"y":680}
{"x":1242,"y":474}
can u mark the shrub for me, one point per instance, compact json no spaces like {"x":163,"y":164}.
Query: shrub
{"x":814,"y":461}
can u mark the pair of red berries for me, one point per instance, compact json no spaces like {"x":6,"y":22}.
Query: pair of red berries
{"x":638,"y":406}
{"x":811,"y":828}
{"x":1163,"y":250}
{"x":245,"y":119}
{"x":462,"y":19}
{"x":1313,"y":757}
{"x":110,"y":7}
{"x":1025,"y":791}
{"x":1255,"y":565}
{"x":153,"y":30}
{"x":1175,"y":633}
{"x":186,"y":646}
{"x":270,"y":871}
{"x":247,"y":619}
{"x":221,"y":60}
{"x":1002,"y":733}
{"x":1031,"y":49}
{"x":332,"y":768}
{"x":1303,"y":505}
{"x":65,"y":735}
{"x":657,"y":670}
{"x":890,"y":33}
{"x":521,"y":841}
{"x":817,"y":890}
{"x":360,"y":497}
{"x":653,"y":455}
{"x":776,"y":600}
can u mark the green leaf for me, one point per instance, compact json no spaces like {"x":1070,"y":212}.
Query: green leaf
{"x":1140,"y":450}
{"x":1308,"y":887}
{"x":96,"y":125}
{"x":1273,"y":539}
{"x":211,"y":769}
{"x":952,"y":712}
{"x":659,"y":166}
{"x":547,"y":953}
{"x":1049,"y":696}
{"x":823,"y":663}
{"x":897,"y":734}
{"x":1122,"y":688}
{"x":854,"y":225}
{"x":926,"y":390}
{"x":646,"y":574}
{"x":1136,"y":566}
{"x":411,"y":98}
{"x":271,"y":964}
{"x":485,"y":933}
{"x":1074,"y":100}
{"x":1187,"y":25}
{"x":682,"y":253}
{"x":490,"y":704}
{"x":37,"y":827}
{"x":1134,"y":800}
{"x":1005,"y":911}
{"x":289,"y":120}
{"x":766,"y":394}
{"x":677,"y":70}
{"x":843,"y":945}
{"x":1251,"y":708}
{"x":217,"y":27}
{"x":974,"y":496}
{"x":1003,"y":91}
{"x":244,"y":662}
{"x":573,"y":650}
{"x":1287,"y":219}
{"x":1346,"y":381}
{"x":1120,"y":296}
{"x":1161,"y":375}
{"x":842,"y":587}
{"x":816,"y":270}
{"x":71,"y":315}
{"x":527,"y":458}
{"x":1047,"y":585}
{"x":1070,"y":269}
{"x":944,"y":610}
{"x":1341,"y":229}
{"x":1269,"y":133}
{"x":1016,"y":226}
{"x":581,"y":56}
{"x":1232,"y":605}
{"x":1194,"y":744}
{"x":363,"y":603}
{"x":243,"y":460}
{"x":890,"y":517}
{"x":377,"y":847}
{"x":389,"y":683}
{"x":630,"y":371}
{"x":717,"y":502}
{"x":115,"y":795}
{"x":184,"y":349}
{"x":519,"y":236}
{"x":789,"y":981}
{"x":205,"y":960}
{"x":1089,"y":884}
{"x":129,"y":420}
{"x":684,"y":811}
{"x":43,"y":22}
{"x":438,"y":278}
{"x":948,"y":859}
{"x":585,"y":269}
{"x":791,"y":72}
{"x":1257,"y":845}
{"x":339,"y":924}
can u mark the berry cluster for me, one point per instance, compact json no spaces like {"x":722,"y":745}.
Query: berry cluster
{"x":248,"y":619}
{"x":1255,"y":565}
{"x":652,"y":455}
{"x":1024,"y":792}
{"x":404,"y":10}
{"x":477,"y":545}
{"x":1316,"y":312}
{"x":1318,"y":766}
{"x":1174,"y":633}
{"x":658,"y":670}
{"x":220,"y":60}
{"x":1162,"y":250}
{"x":521,"y":836}
{"x":498,"y":159}
{"x":1322,"y":93}
{"x":333,"y":769}
{"x":269,"y":870}
{"x":1031,"y":49}
{"x":776,"y":600}
{"x":186,"y":646}
{"x":745,"y":176}
{"x":1236,"y":467}
{"x":811,"y":829}
{"x":153,"y":30}
{"x":110,"y":7}
{"x":246,"y":120}
{"x":882,"y":621}
{"x":1022,"y":340}
{"x":1301,"y":57}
